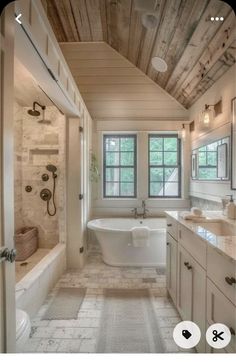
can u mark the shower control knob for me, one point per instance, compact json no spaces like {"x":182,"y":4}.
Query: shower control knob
{"x":45,"y":194}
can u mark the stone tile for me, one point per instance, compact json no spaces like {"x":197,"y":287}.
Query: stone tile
{"x":48,"y":346}
{"x":31,"y":345}
{"x":88,"y":346}
{"x":149,"y":280}
{"x":69,"y":346}
{"x":64,"y":333}
{"x":42,"y":332}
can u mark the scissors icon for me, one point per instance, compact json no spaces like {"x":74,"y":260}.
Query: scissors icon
{"x":217,"y":335}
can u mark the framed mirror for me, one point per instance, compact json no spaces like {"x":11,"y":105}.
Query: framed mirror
{"x":194,"y":166}
{"x":233,"y":144}
{"x":222,"y":161}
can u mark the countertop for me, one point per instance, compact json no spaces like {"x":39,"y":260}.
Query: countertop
{"x":226,"y":245}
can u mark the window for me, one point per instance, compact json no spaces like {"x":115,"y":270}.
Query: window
{"x":119,"y":172}
{"x":207,"y":160}
{"x":164,"y":166}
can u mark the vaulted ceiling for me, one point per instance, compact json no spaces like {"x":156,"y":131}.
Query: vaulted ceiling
{"x":196,"y":49}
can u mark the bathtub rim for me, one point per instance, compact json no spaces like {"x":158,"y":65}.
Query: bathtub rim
{"x":92,"y":226}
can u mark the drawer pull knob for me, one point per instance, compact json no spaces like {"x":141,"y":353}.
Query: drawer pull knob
{"x":232,"y":331}
{"x":167,"y":243}
{"x":230,"y":280}
{"x":169,"y":224}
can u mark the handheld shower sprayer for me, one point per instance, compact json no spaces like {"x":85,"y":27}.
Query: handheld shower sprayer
{"x":46,"y":194}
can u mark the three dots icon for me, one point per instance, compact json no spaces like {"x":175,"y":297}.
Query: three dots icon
{"x":217,"y":18}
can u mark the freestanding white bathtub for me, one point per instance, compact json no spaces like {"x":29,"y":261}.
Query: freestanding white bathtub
{"x":115,"y":238}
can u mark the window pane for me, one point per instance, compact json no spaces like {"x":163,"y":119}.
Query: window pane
{"x":112,"y":144}
{"x":127,"y":144}
{"x":212,"y":146}
{"x":207,"y":173}
{"x":127,"y":189}
{"x":156,"y":189}
{"x":156,"y":158}
{"x":156,"y":144}
{"x":170,"y":158}
{"x":170,"y":144}
{"x":127,"y":174}
{"x":112,"y":189}
{"x":202,"y":159}
{"x":202,"y":149}
{"x":112,"y":174}
{"x":127,"y":158}
{"x":156,"y":174}
{"x":112,"y":159}
{"x":171,"y":189}
{"x":211,"y":158}
{"x":171,"y":174}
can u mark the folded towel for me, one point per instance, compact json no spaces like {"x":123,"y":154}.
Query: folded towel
{"x":187,"y":215}
{"x":140,"y":236}
{"x":196,"y":211}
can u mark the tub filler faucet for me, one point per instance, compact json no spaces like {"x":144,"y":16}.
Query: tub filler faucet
{"x":144,"y":212}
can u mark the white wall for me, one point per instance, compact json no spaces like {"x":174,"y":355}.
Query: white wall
{"x":122,"y":207}
{"x":224,"y":89}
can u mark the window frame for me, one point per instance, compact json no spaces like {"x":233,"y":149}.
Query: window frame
{"x":134,"y":166}
{"x":165,"y":166}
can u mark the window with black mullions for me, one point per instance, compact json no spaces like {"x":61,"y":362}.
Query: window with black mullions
{"x":164,"y":166}
{"x":119,"y":170}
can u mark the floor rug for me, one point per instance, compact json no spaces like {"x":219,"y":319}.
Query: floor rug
{"x":66,"y":304}
{"x":128,"y":323}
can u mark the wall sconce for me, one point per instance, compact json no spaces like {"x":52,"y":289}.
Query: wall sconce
{"x":182,"y":133}
{"x":207,"y":116}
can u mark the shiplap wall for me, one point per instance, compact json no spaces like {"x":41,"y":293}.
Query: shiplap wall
{"x":224,"y":89}
{"x":114,"y":89}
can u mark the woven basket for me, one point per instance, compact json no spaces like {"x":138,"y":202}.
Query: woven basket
{"x":26,"y":242}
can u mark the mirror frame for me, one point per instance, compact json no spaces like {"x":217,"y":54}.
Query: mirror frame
{"x":233,"y":144}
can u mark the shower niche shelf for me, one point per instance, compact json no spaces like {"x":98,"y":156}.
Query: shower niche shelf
{"x":42,"y":156}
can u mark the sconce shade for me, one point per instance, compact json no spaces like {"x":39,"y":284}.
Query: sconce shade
{"x":207,"y":116}
{"x":182,"y":133}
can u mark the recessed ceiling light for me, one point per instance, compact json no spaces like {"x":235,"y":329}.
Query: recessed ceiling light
{"x":159,"y":64}
{"x":149,"y":20}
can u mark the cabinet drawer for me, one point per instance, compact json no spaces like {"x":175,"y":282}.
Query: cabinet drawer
{"x":222,"y":310}
{"x":172,"y":227}
{"x":193,"y":244}
{"x":220,"y":269}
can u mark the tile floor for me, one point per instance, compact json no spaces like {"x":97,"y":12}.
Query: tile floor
{"x":81,"y":335}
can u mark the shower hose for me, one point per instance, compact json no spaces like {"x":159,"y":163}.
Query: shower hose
{"x":53,"y":199}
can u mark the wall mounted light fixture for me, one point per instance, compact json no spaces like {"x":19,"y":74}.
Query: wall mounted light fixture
{"x":182,"y":133}
{"x":207,"y":115}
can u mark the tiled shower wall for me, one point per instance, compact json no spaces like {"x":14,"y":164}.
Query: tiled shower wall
{"x":37,"y":145}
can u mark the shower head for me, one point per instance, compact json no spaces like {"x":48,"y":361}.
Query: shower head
{"x":34,"y":112}
{"x":51,"y":168}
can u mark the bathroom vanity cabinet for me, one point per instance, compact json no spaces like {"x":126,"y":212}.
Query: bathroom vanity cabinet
{"x":200,"y":280}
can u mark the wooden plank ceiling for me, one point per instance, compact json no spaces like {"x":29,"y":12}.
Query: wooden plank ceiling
{"x":197,"y":50}
{"x":113,"y":88}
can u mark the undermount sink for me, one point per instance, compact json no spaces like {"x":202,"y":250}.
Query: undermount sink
{"x":220,"y":227}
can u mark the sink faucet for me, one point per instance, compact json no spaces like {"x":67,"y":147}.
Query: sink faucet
{"x":144,"y":212}
{"x":135,"y":211}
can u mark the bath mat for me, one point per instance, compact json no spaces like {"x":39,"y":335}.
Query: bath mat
{"x":128,"y":323}
{"x":66,"y":304}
